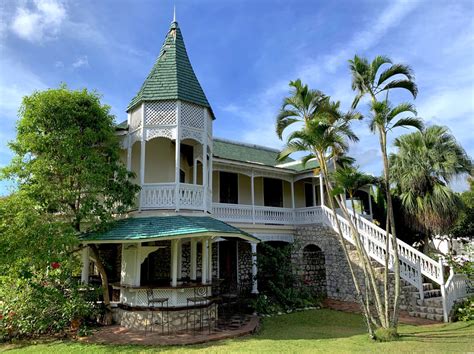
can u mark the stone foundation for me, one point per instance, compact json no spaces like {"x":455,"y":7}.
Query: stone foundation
{"x":140,"y":319}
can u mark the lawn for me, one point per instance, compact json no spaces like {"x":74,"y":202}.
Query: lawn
{"x":303,"y":332}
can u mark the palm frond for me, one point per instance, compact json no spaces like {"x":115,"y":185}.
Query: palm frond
{"x":405,"y":84}
{"x":413,"y":122}
{"x":396,"y":69}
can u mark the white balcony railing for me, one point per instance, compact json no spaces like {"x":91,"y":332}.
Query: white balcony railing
{"x":163,"y":196}
{"x":266,"y":215}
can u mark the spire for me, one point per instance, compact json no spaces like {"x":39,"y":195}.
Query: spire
{"x":172,"y":76}
{"x":174,"y":13}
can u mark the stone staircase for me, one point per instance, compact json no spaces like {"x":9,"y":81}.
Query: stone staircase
{"x":430,"y":307}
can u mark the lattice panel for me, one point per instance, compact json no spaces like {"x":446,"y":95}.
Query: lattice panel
{"x":136,"y":119}
{"x":169,"y":133}
{"x":192,"y":115}
{"x":187,"y":133}
{"x":160,"y":113}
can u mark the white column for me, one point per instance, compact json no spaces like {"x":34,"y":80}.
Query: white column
{"x":210,"y":180}
{"x":209,"y":260}
{"x":293,"y":194}
{"x":314,"y":191}
{"x":85,"y":265}
{"x":177,"y":156}
{"x":174,"y":262}
{"x":142,"y":156}
{"x":252,"y":189}
{"x":195,"y":171}
{"x":254,"y":268}
{"x":321,"y":188}
{"x":193,"y":246}
{"x":180,"y":258}
{"x":370,"y":202}
{"x":204,"y":261}
{"x":129,"y":152}
{"x":204,"y":162}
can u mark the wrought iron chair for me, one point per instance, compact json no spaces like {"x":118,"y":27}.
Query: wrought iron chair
{"x":199,"y":299}
{"x":161,"y":303}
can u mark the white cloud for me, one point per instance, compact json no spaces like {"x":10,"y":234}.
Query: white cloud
{"x":39,"y":22}
{"x":59,"y":64}
{"x":81,"y":61}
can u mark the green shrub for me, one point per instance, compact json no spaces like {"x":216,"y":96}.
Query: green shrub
{"x":386,"y":334}
{"x":464,"y":311}
{"x":36,"y":303}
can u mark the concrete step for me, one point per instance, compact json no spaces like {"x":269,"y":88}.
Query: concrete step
{"x":428,"y":294}
{"x":427,"y":286}
{"x":431,"y":302}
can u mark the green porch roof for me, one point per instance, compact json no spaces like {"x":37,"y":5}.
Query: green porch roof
{"x":156,"y":227}
{"x":230,"y":150}
{"x":172,"y":77}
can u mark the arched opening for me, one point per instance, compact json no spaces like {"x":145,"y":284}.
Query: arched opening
{"x":314,"y":269}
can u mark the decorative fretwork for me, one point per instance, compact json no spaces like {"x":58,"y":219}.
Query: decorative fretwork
{"x":192,"y":116}
{"x":187,"y":133}
{"x":160,"y":113}
{"x":169,"y":133}
{"x":136,"y":119}
{"x":136,"y":136}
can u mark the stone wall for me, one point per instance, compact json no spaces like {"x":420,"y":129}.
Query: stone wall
{"x":339,"y":283}
{"x":178,"y":319}
{"x":245,"y":265}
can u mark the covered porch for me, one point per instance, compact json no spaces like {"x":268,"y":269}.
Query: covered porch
{"x":172,"y":258}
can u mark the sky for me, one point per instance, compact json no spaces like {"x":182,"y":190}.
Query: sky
{"x":244,"y":54}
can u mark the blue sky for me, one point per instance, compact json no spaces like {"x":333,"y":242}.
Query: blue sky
{"x":244,"y":54}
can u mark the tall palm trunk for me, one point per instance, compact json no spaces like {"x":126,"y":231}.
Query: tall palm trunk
{"x":391,"y":223}
{"x":364,"y":305}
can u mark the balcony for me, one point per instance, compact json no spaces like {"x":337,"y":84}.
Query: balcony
{"x":163,"y":196}
{"x":267,"y":215}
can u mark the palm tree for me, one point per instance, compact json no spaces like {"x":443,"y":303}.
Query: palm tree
{"x":299,"y":107}
{"x":366,"y":79}
{"x":371,"y":79}
{"x":424,"y":165}
{"x":326,"y":137}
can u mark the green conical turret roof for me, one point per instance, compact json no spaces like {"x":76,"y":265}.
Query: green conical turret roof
{"x":172,"y":77}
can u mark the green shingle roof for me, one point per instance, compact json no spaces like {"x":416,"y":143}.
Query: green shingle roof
{"x":172,"y":77}
{"x":230,"y":150}
{"x":298,"y":166}
{"x":164,"y":226}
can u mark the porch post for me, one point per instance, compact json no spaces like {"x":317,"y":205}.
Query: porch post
{"x":254,"y":268}
{"x":180,"y":258}
{"x":314,"y":191}
{"x":209,"y":260}
{"x":193,"y":258}
{"x":204,"y":264}
{"x":205,"y":172}
{"x":85,"y":265}
{"x":142,"y":156}
{"x":293,"y":194}
{"x":129,"y":153}
{"x":195,"y":171}
{"x":370,"y":202}
{"x":177,"y":156}
{"x":252,"y":188}
{"x":174,"y":262}
{"x":321,"y":188}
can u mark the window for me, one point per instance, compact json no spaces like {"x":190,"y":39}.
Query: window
{"x":229,"y":188}
{"x":182,"y":176}
{"x":272,"y":192}
{"x":308,"y":194}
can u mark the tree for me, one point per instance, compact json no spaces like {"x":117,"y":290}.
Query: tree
{"x":366,"y":80}
{"x":424,"y":165}
{"x":66,"y":160}
{"x":464,"y":226}
{"x":324,"y":136}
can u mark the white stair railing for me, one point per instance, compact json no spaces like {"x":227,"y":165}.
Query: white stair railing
{"x":413,"y":263}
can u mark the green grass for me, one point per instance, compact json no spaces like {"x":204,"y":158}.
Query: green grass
{"x":303,"y":332}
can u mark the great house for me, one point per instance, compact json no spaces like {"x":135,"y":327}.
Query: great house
{"x":206,"y":203}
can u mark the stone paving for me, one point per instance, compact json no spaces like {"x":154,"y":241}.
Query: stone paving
{"x":354,"y":307}
{"x":123,"y":336}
